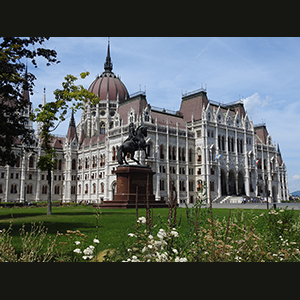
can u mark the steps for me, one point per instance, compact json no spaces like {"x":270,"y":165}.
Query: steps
{"x":228,"y":199}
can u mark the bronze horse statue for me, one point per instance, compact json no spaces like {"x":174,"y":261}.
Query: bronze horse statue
{"x":135,"y":141}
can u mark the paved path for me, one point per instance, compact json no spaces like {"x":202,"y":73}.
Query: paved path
{"x":253,"y":205}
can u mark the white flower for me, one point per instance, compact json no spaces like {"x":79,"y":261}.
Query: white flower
{"x":150,"y":237}
{"x":161,"y":234}
{"x":175,"y":251}
{"x":131,"y":235}
{"x":180,"y":259}
{"x":150,"y":246}
{"x":174,"y":233}
{"x":92,"y":247}
{"x":77,"y":250}
{"x":88,"y":251}
{"x":96,"y":241}
{"x":87,"y":257}
{"x":141,"y":220}
{"x":77,"y":243}
{"x":279,"y":222}
{"x":134,"y":259}
{"x":162,"y":257}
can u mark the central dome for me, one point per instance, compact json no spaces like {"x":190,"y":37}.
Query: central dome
{"x":108,"y":86}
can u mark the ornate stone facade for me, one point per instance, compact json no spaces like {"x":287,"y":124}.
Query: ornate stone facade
{"x":204,"y":141}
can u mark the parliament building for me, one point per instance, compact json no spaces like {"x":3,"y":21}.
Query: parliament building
{"x":203,"y":142}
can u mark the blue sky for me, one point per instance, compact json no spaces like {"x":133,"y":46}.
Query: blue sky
{"x":264,"y":71}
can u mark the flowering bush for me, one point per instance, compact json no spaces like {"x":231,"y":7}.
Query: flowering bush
{"x":160,"y":247}
{"x":271,"y":236}
{"x":88,"y":252}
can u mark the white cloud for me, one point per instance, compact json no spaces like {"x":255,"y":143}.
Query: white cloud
{"x":255,"y":102}
{"x":297,"y":177}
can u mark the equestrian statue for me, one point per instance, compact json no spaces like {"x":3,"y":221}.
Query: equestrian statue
{"x":135,"y":141}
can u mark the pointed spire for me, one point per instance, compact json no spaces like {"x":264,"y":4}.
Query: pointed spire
{"x":44,"y":98}
{"x":72,"y":120}
{"x":25,"y":92}
{"x":278,"y":149}
{"x":108,"y":66}
{"x":72,"y":133}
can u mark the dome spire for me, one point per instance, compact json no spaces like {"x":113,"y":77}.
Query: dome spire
{"x":108,"y":66}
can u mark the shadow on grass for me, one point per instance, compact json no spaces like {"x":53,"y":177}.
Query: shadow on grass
{"x":53,"y":227}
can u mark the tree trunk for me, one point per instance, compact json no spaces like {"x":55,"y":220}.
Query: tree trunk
{"x":49,"y":211}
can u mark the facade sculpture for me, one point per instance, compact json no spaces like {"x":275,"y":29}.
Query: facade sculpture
{"x":134,"y":142}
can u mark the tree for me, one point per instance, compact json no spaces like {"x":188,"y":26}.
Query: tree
{"x":69,"y":97}
{"x":14,"y":79}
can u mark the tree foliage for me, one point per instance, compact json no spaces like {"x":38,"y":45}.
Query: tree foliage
{"x":15,"y":52}
{"x":70,"y":97}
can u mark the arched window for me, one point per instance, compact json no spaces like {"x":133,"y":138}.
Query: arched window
{"x":191,"y":156}
{"x":223,"y":142}
{"x":162,"y":185}
{"x":79,"y":189}
{"x":74,"y":164}
{"x":86,"y":189}
{"x":94,"y":188}
{"x":174,"y":153}
{"x":56,"y":190}
{"x":59,"y":164}
{"x":146,"y":116}
{"x":13,"y":189}
{"x":102,"y":187}
{"x":73,"y":189}
{"x":113,"y":153}
{"x":31,"y":161}
{"x":102,"y":128}
{"x":29,"y":189}
{"x":161,"y":151}
{"x":44,"y":189}
{"x":179,"y":153}
{"x":18,"y":161}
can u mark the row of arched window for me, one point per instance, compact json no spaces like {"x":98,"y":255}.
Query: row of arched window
{"x":173,"y":152}
{"x":182,"y":187}
{"x":86,"y":188}
{"x":86,"y":162}
{"x":230,"y":144}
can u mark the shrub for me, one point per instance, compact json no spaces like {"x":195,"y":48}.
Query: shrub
{"x":271,"y":236}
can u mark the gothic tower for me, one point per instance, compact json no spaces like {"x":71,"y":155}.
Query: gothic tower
{"x":95,"y":119}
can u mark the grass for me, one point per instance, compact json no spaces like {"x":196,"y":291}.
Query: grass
{"x":114,"y":224}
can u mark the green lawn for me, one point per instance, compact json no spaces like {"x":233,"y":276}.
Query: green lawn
{"x":113,"y":223}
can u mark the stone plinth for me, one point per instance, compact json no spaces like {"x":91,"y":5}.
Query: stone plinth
{"x":129,"y":180}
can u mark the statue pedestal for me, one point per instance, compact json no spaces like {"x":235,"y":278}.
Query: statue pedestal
{"x":130,"y":179}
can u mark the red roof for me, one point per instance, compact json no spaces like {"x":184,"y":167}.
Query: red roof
{"x":109,"y":83}
{"x":261,"y":134}
{"x":191,"y":105}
